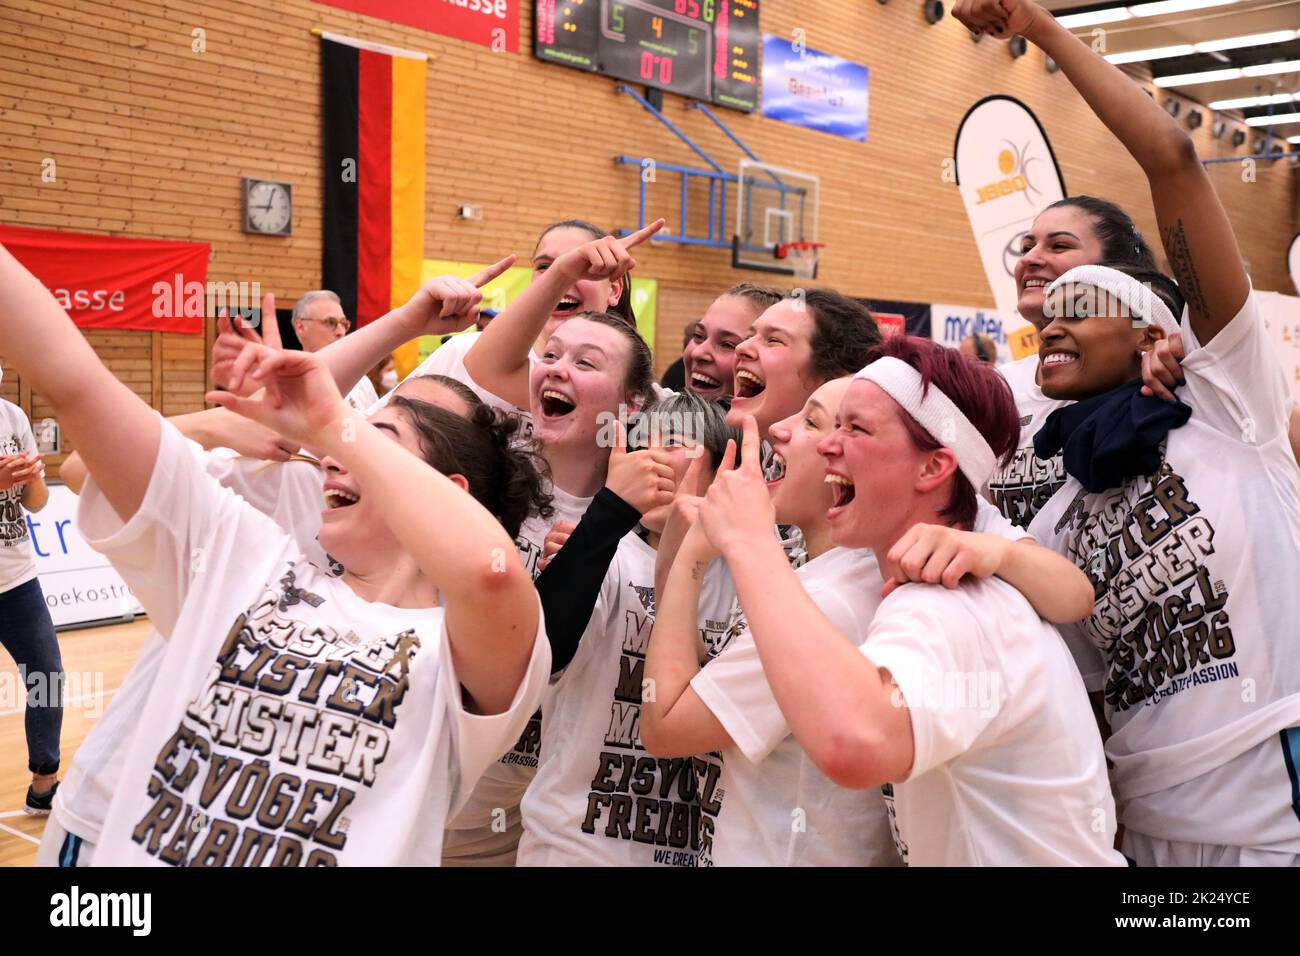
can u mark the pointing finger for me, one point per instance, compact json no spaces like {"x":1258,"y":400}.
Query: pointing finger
{"x":487,"y":274}
{"x":641,"y":235}
{"x":728,"y":457}
{"x":695,"y":482}
{"x":270,"y":325}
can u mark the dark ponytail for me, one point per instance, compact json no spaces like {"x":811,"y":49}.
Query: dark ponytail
{"x":844,"y":333}
{"x":505,"y":477}
{"x":623,"y":307}
{"x":1120,"y":240}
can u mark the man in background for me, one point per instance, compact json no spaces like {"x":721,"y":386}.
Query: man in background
{"x":318,"y":320}
{"x":979,"y":349}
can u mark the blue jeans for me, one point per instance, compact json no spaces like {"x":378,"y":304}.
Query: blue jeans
{"x":27,"y":633}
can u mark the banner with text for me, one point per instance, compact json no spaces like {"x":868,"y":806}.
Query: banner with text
{"x":116,"y":282}
{"x":80,"y":585}
{"x":813,"y":89}
{"x":489,"y":23}
{"x":1007,"y":174}
{"x":949,"y":324}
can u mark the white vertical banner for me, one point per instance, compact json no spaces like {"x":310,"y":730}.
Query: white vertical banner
{"x":1007,"y":174}
{"x":1293,"y":262}
{"x":1281,"y":317}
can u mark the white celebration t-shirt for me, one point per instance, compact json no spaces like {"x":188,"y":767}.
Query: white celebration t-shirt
{"x":363,"y":395}
{"x":486,"y":832}
{"x":17,"y":558}
{"x":531,"y":540}
{"x":599,"y":799}
{"x":1193,"y":639}
{"x":783,"y":811}
{"x":291,"y":722}
{"x":780,"y":809}
{"x":1008,"y":767}
{"x":290,"y":493}
{"x":1021,"y":488}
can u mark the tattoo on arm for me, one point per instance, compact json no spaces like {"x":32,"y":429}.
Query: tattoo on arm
{"x":1174,"y":238}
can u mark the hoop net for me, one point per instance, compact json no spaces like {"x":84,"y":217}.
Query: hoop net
{"x":802,"y":257}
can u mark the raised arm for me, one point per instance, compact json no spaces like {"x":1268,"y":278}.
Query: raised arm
{"x":492,"y":609}
{"x":1197,"y":236}
{"x":116,"y":433}
{"x":211,"y":428}
{"x":220,"y":428}
{"x":498,"y":361}
{"x":838,"y":705}
{"x":675,"y":722}
{"x":442,"y":306}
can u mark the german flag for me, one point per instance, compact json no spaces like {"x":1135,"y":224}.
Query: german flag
{"x":372,"y":106}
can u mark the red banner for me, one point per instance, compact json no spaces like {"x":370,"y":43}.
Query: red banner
{"x":490,"y":23}
{"x":116,"y":282}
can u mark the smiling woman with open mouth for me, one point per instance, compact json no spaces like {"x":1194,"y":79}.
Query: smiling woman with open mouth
{"x":406,"y":676}
{"x":728,"y":706}
{"x":1193,"y":501}
{"x":795,"y":346}
{"x":710,"y":355}
{"x":832,"y":687}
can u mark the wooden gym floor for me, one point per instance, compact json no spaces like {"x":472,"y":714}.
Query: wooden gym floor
{"x":99,"y":658}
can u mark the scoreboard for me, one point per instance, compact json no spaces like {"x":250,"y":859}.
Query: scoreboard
{"x":705,"y":49}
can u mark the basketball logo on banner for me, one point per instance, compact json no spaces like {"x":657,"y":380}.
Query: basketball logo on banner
{"x":1007,"y":174}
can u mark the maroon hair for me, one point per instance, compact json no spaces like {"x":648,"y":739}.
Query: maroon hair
{"x":978,"y":391}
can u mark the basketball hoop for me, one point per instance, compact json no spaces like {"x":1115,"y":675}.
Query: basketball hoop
{"x":802,"y":257}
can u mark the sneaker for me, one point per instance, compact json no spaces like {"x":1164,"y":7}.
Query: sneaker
{"x":38,"y":804}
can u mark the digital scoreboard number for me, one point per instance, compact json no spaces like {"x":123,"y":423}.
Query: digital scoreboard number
{"x":704,"y":49}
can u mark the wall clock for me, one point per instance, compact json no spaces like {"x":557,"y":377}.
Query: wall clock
{"x":268,"y":207}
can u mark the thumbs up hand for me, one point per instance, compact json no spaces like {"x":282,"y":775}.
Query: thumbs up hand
{"x":737,"y":510}
{"x":644,"y":479}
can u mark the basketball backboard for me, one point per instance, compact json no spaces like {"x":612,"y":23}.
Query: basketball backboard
{"x":774,"y":207}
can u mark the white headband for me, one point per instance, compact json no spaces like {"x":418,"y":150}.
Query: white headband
{"x":1142,"y":304}
{"x":937,"y":414}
